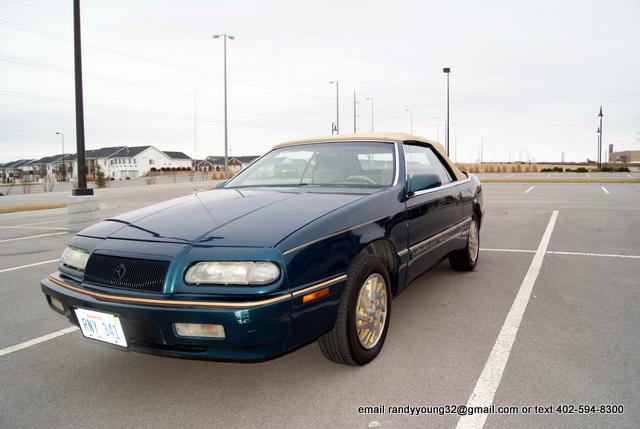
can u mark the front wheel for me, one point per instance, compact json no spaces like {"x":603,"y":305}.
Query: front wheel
{"x":467,"y":258}
{"x":362,"y":322}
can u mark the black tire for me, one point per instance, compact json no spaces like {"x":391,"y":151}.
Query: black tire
{"x":462,"y":260}
{"x":341,"y":344}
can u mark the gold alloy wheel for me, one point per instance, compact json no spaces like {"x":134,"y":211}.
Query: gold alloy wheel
{"x":473,"y":241}
{"x":371,"y":311}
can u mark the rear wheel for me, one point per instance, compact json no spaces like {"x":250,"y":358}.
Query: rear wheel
{"x":363,"y":314}
{"x":467,"y":258}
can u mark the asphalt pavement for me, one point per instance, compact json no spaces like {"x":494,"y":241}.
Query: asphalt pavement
{"x":576,"y":343}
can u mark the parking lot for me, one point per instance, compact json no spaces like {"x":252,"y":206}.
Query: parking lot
{"x":549,"y":317}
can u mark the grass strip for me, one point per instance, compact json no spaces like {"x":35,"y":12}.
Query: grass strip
{"x":30,"y":207}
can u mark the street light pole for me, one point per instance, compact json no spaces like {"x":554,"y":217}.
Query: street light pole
{"x":77,"y":51}
{"x":447,"y":71}
{"x":337,"y":104}
{"x":225,"y":36}
{"x":64,"y":168}
{"x":354,"y":113}
{"x":371,"y":99}
{"x":598,"y":156}
{"x":600,"y":115}
{"x":410,"y":120}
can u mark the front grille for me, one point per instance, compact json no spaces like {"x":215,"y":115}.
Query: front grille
{"x":126,"y":273}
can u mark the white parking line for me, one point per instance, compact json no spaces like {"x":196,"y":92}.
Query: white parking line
{"x":33,"y":236}
{"x":628,"y":175}
{"x":507,"y":250}
{"x":604,"y":189}
{"x":489,"y":379}
{"x":548,"y":175}
{"x":35,"y":264}
{"x":42,"y":223}
{"x":527,"y":191}
{"x":510,"y":175}
{"x":601,"y":255}
{"x":38,"y":340}
{"x":33,"y":227}
{"x":558,"y":252}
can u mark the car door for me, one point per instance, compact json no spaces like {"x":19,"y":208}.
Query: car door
{"x":431,"y":212}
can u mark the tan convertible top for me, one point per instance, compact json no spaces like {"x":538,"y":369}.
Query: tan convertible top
{"x":382,"y":136}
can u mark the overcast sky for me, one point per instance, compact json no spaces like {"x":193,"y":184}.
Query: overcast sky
{"x":527,"y":76}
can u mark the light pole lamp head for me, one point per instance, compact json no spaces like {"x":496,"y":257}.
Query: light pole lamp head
{"x":331,"y":82}
{"x":600,"y":115}
{"x":446,"y":70}
{"x":58,"y":132}
{"x":216,"y":36}
{"x":231,"y":37}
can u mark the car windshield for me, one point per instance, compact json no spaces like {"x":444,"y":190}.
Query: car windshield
{"x":356,"y":164}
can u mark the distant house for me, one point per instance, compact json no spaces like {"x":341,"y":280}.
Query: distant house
{"x":137,"y":161}
{"x":33,"y":170}
{"x":46,"y":166}
{"x":202,"y":165}
{"x":118,"y":162}
{"x":100,"y":157}
{"x":179,"y":159}
{"x":236,"y":163}
{"x":246,"y":160}
{"x":93,"y":159}
{"x":16,"y":171}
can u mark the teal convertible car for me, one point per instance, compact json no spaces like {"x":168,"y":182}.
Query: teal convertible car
{"x":310,"y":242}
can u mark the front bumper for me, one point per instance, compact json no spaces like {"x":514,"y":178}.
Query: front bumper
{"x":255,"y":333}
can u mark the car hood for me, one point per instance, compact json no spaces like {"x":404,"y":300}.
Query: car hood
{"x":224,"y":217}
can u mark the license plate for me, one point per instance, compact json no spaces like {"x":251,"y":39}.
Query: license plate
{"x":101,"y":326}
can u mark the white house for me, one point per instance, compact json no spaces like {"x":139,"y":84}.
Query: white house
{"x":95,"y":158}
{"x":179,"y":159}
{"x":135,"y":161}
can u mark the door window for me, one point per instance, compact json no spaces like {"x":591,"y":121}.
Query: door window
{"x":422,"y":160}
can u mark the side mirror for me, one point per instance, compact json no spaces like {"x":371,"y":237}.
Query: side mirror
{"x":220,"y":184}
{"x":421,"y":182}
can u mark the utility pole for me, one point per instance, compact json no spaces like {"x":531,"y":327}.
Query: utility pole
{"x":337,"y":105}
{"x":410,"y":120}
{"x":371,"y":99}
{"x":355,"y":127}
{"x":598,"y":154}
{"x":225,"y":36}
{"x":77,"y":50}
{"x":600,"y":115}
{"x":447,"y":71}
{"x":195,"y":129}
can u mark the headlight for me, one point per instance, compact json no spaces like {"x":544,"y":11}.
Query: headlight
{"x":75,"y":258}
{"x":238,"y":273}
